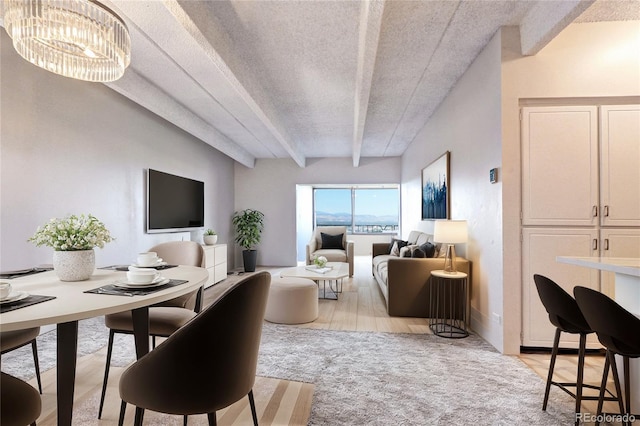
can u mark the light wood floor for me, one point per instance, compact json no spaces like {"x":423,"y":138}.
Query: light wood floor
{"x":360,"y":307}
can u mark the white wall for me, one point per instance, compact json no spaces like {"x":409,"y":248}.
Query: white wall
{"x":69,"y":146}
{"x":271,"y":188}
{"x":467,"y":124}
{"x":588,"y":63}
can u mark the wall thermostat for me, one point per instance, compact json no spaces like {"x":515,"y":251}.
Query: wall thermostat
{"x":493,"y":175}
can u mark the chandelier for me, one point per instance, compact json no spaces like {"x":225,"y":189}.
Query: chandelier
{"x":80,"y":39}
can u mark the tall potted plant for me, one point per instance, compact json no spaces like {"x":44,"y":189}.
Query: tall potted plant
{"x":248,"y":225}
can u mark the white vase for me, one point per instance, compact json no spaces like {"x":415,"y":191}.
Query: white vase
{"x":210,"y":239}
{"x":75,"y":265}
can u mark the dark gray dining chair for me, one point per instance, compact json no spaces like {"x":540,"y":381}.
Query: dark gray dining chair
{"x":208,"y":364}
{"x":20,"y":403}
{"x":166,"y":317}
{"x":11,"y":340}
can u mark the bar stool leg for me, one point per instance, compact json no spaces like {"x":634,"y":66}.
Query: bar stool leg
{"x":616,"y":379}
{"x":627,"y":386}
{"x":580,"y":374}
{"x":603,"y":387}
{"x":552,"y":364}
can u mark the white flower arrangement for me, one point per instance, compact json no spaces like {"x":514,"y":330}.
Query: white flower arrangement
{"x":72,"y":233}
{"x":320,"y":261}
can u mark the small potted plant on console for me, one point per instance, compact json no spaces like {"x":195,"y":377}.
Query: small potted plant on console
{"x":210,"y":237}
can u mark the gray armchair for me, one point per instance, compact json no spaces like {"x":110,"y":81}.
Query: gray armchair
{"x":334,"y":249}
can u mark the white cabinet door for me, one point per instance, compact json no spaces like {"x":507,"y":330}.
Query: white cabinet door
{"x":216,"y":263}
{"x":220,"y":268}
{"x":540,"y":247}
{"x":620,"y":165}
{"x":560,"y":166}
{"x":617,"y":243}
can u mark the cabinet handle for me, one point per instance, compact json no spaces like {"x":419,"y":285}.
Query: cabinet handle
{"x":594,"y":211}
{"x":606,"y":211}
{"x":606,"y":244}
{"x":594,"y":246}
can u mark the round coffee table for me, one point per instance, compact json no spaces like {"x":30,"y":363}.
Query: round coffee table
{"x":337,"y":272}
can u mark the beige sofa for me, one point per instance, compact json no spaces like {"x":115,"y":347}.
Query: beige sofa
{"x":404,"y":281}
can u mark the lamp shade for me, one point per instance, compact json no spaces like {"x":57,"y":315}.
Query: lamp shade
{"x":450,"y":231}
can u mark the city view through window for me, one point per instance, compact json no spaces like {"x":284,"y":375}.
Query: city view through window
{"x":361,"y":210}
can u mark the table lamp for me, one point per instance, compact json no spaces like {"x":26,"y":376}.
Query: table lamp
{"x":450,"y":232}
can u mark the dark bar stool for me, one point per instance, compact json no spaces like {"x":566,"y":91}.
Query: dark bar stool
{"x":566,"y":316}
{"x":618,"y":330}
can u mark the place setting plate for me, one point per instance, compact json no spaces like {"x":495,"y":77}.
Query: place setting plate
{"x":128,"y":284}
{"x":14,"y":297}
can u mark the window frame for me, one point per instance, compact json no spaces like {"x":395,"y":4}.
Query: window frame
{"x":351,"y":228}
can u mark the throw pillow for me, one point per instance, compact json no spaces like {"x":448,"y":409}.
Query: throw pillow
{"x":399,"y":243}
{"x":407,"y":251}
{"x":418,"y":253}
{"x":331,"y":241}
{"x":428,"y":249}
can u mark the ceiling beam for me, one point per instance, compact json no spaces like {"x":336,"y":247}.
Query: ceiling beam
{"x":174,"y":36}
{"x":369,"y":35}
{"x":267,"y":119}
{"x":546,"y":20}
{"x":138,"y":89}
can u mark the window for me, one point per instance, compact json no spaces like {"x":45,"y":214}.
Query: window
{"x":363,"y":210}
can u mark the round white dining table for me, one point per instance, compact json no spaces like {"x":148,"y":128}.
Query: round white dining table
{"x":72,"y":304}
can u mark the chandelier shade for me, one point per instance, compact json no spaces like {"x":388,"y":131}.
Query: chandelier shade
{"x":81,"y":39}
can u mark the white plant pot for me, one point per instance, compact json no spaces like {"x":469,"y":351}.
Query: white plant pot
{"x":74,"y":265}
{"x":210,"y":239}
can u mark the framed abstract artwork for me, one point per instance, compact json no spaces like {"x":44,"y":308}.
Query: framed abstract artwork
{"x":435,"y":189}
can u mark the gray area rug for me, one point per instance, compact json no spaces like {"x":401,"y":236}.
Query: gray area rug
{"x":408,"y":379}
{"x":372,"y":378}
{"x":92,"y":336}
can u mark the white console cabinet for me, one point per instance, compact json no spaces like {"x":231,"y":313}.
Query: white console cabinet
{"x":215,"y":260}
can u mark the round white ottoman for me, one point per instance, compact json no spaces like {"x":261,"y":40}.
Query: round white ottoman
{"x":292,"y":301}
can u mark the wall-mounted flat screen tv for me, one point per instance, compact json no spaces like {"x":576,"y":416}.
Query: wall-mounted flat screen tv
{"x":174,"y":203}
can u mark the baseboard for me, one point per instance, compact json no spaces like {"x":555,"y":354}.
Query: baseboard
{"x":561,"y":351}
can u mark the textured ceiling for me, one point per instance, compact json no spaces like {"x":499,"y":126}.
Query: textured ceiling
{"x":304,"y":79}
